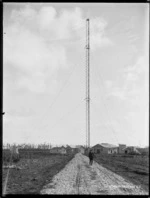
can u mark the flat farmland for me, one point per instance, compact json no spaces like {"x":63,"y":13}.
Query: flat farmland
{"x":36,"y":170}
{"x":133,"y":168}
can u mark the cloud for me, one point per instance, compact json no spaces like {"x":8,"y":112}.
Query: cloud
{"x":97,"y":36}
{"x":135,"y":83}
{"x":28,"y":52}
{"x":33,"y":44}
{"x":108,"y":84}
{"x":136,"y":76}
{"x":21,"y":112}
{"x":97,"y":33}
{"x":118,"y":93}
{"x":36,"y":59}
{"x":46,"y":17}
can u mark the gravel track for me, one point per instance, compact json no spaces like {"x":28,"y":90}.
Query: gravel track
{"x":78,"y":177}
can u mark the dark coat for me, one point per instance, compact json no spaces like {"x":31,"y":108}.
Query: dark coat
{"x":91,"y":155}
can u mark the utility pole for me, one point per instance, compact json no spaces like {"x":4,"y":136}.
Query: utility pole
{"x":87,"y":84}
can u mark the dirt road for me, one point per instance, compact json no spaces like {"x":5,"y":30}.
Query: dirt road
{"x":78,"y":177}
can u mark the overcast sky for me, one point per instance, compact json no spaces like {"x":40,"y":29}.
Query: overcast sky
{"x":44,"y":73}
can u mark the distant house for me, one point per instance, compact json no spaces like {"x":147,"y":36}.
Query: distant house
{"x":105,"y":148}
{"x":131,"y":150}
{"x":58,"y":150}
{"x":76,"y":150}
{"x":81,"y":149}
{"x":72,"y":149}
{"x":69,"y":149}
{"x":143,"y":151}
{"x":121,"y":148}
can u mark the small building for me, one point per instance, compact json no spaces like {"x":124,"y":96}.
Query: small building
{"x":121,"y":148}
{"x":81,"y":149}
{"x":131,"y":150}
{"x":143,"y":151}
{"x":63,"y":150}
{"x":76,"y":150}
{"x":58,"y":150}
{"x":105,"y":148}
{"x":69,"y":150}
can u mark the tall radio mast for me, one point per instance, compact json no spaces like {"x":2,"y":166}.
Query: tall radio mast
{"x":87,"y":84}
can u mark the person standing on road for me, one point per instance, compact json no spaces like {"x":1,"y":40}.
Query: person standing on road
{"x":91,"y":157}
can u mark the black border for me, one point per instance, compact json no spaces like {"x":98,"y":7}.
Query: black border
{"x":78,"y":1}
{"x":1,"y":87}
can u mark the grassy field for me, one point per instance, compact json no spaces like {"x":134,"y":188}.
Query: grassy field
{"x":38,"y":168}
{"x":133,"y":168}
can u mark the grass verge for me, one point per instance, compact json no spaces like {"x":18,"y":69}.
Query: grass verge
{"x":133,"y":168}
{"x":37,"y":171}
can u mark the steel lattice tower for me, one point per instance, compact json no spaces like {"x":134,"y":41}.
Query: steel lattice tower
{"x":87,"y":84}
